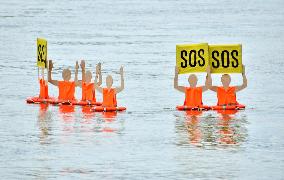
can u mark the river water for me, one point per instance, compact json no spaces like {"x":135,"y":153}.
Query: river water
{"x":151,"y":140}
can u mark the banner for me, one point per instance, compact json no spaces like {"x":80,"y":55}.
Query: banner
{"x":41,"y":53}
{"x":191,"y":58}
{"x":225,"y":58}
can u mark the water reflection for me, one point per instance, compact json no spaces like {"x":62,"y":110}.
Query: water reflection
{"x":44,"y":123}
{"x":67,"y":113}
{"x":209,"y":129}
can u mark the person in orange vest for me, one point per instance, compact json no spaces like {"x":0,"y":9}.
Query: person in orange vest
{"x":66,"y":87}
{"x":226,"y":94}
{"x":88,"y":88}
{"x":193,"y":94}
{"x":109,"y":93}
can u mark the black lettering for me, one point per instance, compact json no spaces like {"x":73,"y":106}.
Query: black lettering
{"x":215,"y":64}
{"x":225,"y":62}
{"x":182,"y":54}
{"x":201,"y":62}
{"x":236,"y":63}
{"x":192,"y":62}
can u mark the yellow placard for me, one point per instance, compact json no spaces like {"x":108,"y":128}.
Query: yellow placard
{"x":225,"y":58}
{"x":41,"y":53}
{"x":192,"y":57}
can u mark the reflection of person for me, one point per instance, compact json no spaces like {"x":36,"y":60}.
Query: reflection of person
{"x":193,"y":94}
{"x":109,"y":93}
{"x":109,"y":116}
{"x":226,"y":94}
{"x":66,"y":87}
{"x":88,"y":113}
{"x":88,"y":88}
{"x":193,"y":129}
{"x":43,"y":122}
{"x":226,"y":132}
{"x":67,"y":112}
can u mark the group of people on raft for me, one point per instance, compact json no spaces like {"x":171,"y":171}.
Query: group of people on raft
{"x":226,"y":94}
{"x":66,"y":87}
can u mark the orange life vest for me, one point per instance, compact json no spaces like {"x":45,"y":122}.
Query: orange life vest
{"x":88,"y":93}
{"x":109,"y":97}
{"x":226,"y":97}
{"x":43,"y":93}
{"x":66,"y":90}
{"x":193,"y":96}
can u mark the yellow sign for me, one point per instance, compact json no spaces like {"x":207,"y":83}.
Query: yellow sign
{"x":192,"y":57}
{"x":41,"y":53}
{"x":225,"y":58}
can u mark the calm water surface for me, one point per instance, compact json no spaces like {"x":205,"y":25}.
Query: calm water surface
{"x":151,"y":139}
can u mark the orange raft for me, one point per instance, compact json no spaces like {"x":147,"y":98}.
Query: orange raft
{"x":229,"y":107}
{"x":74,"y":102}
{"x":37,"y":100}
{"x":206,"y":108}
{"x":193,"y":108}
{"x":108,"y":109}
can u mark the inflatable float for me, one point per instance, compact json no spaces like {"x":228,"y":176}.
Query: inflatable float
{"x":229,"y":107}
{"x":206,"y":108}
{"x":37,"y":100}
{"x":108,"y":109}
{"x":193,"y":108}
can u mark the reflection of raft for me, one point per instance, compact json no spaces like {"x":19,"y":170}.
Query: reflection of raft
{"x":193,"y":108}
{"x":37,"y":100}
{"x":108,"y":109}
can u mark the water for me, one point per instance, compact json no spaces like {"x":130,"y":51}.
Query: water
{"x":150,"y":140}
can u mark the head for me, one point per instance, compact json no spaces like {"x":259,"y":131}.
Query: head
{"x":192,"y":79}
{"x":226,"y":80}
{"x":88,"y":76}
{"x":66,"y":74}
{"x":109,"y":81}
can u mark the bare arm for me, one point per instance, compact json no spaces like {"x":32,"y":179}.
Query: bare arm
{"x":76,"y":74}
{"x":208,"y":82}
{"x":119,"y":89}
{"x":176,"y":86}
{"x":79,"y":82}
{"x":50,"y":66}
{"x":99,"y":73}
{"x":244,"y":85}
{"x":97,"y":87}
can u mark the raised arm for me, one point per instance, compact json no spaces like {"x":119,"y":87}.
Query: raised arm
{"x":50,"y":67}
{"x":99,"y":73}
{"x":76,"y":74}
{"x":176,"y":86}
{"x":208,"y":81}
{"x":119,"y":89}
{"x":79,"y":82}
{"x":244,"y":85}
{"x":97,"y":87}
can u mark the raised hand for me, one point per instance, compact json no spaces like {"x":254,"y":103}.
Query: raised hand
{"x":98,"y":68}
{"x":82,"y":64}
{"x":50,"y":65}
{"x":77,"y":65}
{"x":208,"y":70}
{"x":176,"y":70}
{"x":121,"y":71}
